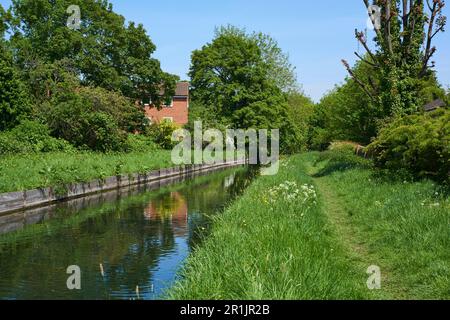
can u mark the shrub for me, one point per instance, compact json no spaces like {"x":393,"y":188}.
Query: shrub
{"x":30,"y":137}
{"x":417,"y":143}
{"x":140,"y":143}
{"x":161,"y":134}
{"x":80,"y":122}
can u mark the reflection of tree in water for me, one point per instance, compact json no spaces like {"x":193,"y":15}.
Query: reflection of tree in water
{"x":128,"y":238}
{"x":211,"y":198}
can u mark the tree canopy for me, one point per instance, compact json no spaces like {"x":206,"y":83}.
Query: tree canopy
{"x":402,"y":59}
{"x":103,"y":52}
{"x":233,"y":78}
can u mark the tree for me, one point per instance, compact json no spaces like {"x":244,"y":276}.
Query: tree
{"x":231,"y":77}
{"x":3,"y":25}
{"x":104,"y":52}
{"x":280,"y":70}
{"x":402,"y":65}
{"x":301,"y":109}
{"x":14,"y":102}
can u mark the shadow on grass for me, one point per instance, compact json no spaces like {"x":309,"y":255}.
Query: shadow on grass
{"x":332,"y":161}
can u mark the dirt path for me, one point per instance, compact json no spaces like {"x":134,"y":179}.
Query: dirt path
{"x":352,"y":242}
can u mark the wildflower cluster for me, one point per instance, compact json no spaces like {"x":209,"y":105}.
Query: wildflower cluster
{"x":290,"y":191}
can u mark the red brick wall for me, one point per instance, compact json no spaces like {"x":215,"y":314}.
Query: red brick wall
{"x":179,"y":112}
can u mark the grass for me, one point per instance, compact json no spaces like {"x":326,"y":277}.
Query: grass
{"x":270,"y":246}
{"x":24,"y":172}
{"x":403,"y":225}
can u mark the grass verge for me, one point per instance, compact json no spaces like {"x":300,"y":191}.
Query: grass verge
{"x":403,"y":226}
{"x":272,"y":243}
{"x":24,"y":172}
{"x":277,"y":243}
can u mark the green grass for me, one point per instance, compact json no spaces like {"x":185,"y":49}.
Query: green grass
{"x":404,"y":226}
{"x":266,"y":246}
{"x":23,"y":172}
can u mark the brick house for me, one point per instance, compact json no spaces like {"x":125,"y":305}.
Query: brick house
{"x":178,"y":109}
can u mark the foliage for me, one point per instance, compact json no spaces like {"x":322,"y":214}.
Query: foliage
{"x":280,"y":70}
{"x":31,"y":137}
{"x":92,"y":118}
{"x":140,"y":143}
{"x":417,"y":143}
{"x":300,"y":109}
{"x":402,"y":60}
{"x":231,"y":77}
{"x":104,"y":51}
{"x":161,"y":133}
{"x":14,"y":100}
{"x":319,"y":137}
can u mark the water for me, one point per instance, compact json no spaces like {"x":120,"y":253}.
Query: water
{"x":128,"y":244}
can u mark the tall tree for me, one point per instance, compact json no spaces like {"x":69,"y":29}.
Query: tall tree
{"x":402,"y":57}
{"x":231,"y":77}
{"x":14,"y":101}
{"x":104,"y":51}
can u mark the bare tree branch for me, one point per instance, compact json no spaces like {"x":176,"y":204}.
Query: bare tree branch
{"x":366,"y":61}
{"x":363,"y":41}
{"x":359,"y":82}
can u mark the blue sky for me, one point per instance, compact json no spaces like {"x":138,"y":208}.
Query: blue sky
{"x":316,"y":34}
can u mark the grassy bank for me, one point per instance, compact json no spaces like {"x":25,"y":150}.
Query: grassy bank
{"x":403,"y":226}
{"x":272,"y":243}
{"x":276,"y":244}
{"x":23,"y":172}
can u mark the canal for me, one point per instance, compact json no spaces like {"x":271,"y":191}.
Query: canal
{"x":128,"y":244}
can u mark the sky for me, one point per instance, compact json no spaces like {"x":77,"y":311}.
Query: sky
{"x":315,"y":34}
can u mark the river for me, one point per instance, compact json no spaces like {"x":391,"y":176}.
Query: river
{"x":128,"y":244}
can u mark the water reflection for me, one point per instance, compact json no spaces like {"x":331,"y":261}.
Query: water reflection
{"x":128,"y":245}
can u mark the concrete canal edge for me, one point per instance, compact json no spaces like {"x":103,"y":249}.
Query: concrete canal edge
{"x":22,"y":200}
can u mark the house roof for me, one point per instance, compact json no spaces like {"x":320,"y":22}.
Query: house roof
{"x":433,"y":105}
{"x":182,"y":89}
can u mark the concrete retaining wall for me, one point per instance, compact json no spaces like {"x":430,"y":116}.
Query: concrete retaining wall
{"x":17,"y":201}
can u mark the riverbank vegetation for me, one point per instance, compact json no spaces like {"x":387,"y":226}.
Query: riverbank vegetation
{"x":25,"y":172}
{"x":312,"y":231}
{"x":71,"y":101}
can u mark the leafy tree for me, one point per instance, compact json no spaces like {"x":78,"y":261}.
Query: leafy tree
{"x":231,"y":77}
{"x":79,"y":120}
{"x":3,"y":25}
{"x":280,"y":70}
{"x":301,"y":109}
{"x":14,"y":101}
{"x":402,"y":59}
{"x":104,"y":52}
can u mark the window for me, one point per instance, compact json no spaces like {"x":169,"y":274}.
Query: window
{"x":146,"y":101}
{"x":168,"y":119}
{"x":168,"y":103}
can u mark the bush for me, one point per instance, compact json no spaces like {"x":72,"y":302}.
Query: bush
{"x":31,"y":137}
{"x":161,"y":134}
{"x":140,"y":143}
{"x":417,"y":143}
{"x":92,"y":118}
{"x":80,"y":122}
